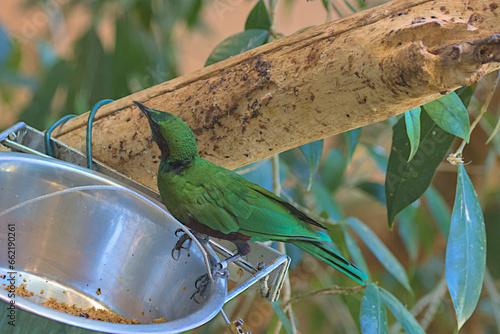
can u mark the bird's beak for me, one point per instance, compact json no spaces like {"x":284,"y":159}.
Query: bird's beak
{"x":145,"y":110}
{"x":155,"y":128}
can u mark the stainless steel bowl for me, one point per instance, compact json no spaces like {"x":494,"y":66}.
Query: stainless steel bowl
{"x":106,"y":247}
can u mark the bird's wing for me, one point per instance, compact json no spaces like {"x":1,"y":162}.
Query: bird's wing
{"x":224,"y":201}
{"x":274,"y":218}
{"x":293,"y":210}
{"x":213,"y":200}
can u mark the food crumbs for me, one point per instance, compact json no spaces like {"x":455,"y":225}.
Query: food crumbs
{"x":184,"y":287}
{"x":119,"y":277}
{"x":41,"y":292}
{"x":21,"y":291}
{"x":159,"y":320}
{"x":90,"y":313}
{"x":149,"y":299}
{"x":98,"y":291}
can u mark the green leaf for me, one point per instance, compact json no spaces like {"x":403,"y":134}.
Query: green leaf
{"x":326,"y":203}
{"x":439,"y":209}
{"x":402,"y":315}
{"x":450,"y":114}
{"x":141,"y":13}
{"x":381,"y":252}
{"x":465,"y":93}
{"x":493,"y":134}
{"x":373,"y":316}
{"x":260,"y":172}
{"x":237,"y":44}
{"x":408,"y":230}
{"x":426,"y":232}
{"x":351,"y":7}
{"x":332,"y":169}
{"x":132,"y":42}
{"x":312,"y":153}
{"x":294,"y":252}
{"x":89,"y":79}
{"x":15,"y":59}
{"x":259,"y":17}
{"x":407,"y":181}
{"x":493,"y":294}
{"x":271,"y":326}
{"x":5,"y":46}
{"x":355,"y":252}
{"x":373,"y":189}
{"x":37,"y":113}
{"x":194,"y":12}
{"x":412,"y":121}
{"x":466,"y":249}
{"x":379,"y":155}
{"x":351,"y":140}
{"x":353,"y":305}
{"x":491,"y":217}
{"x":282,"y":316}
{"x":338,"y":244}
{"x":326,"y":4}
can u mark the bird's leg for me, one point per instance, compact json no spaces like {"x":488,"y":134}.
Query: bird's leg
{"x":183,"y":237}
{"x":202,"y":282}
{"x":176,"y":251}
{"x":219,"y":269}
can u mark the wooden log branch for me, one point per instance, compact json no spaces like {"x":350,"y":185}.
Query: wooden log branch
{"x":317,"y":83}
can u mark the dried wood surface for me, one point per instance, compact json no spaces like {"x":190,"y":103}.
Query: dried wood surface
{"x":323,"y":81}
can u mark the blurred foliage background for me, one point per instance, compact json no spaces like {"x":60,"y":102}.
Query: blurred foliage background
{"x":63,"y":56}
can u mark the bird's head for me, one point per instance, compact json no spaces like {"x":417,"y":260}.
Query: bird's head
{"x":174,"y":137}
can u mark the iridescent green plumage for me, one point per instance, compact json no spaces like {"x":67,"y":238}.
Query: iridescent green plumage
{"x":220,"y":203}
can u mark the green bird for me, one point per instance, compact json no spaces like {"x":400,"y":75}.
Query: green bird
{"x":218,"y":202}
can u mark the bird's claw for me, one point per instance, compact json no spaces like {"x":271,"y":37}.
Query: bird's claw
{"x":201,"y":283}
{"x":179,"y":232}
{"x":179,"y":245}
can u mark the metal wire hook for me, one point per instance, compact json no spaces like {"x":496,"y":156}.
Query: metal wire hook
{"x":48,"y":134}
{"x":88,"y":146}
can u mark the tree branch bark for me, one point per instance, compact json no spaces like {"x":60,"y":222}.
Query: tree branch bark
{"x":328,"y":79}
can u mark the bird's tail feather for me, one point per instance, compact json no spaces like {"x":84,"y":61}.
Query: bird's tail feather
{"x":331,"y":257}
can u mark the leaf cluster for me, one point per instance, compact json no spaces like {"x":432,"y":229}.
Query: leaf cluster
{"x":142,"y":53}
{"x":323,"y":178}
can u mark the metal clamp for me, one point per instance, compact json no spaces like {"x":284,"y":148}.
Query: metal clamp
{"x":264,"y":266}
